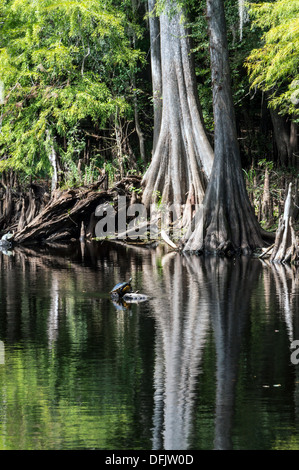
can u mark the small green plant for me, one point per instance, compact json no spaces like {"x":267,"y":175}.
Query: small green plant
{"x":71,"y":175}
{"x":158,"y":198}
{"x":250,"y":178}
{"x":111,"y":170}
{"x":135,"y":190}
{"x":90,"y":172}
{"x":265,"y":164}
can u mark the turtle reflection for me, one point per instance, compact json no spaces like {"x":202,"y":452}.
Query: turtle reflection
{"x":124,"y":303}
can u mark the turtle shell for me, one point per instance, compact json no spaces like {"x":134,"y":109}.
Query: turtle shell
{"x":121,"y":288}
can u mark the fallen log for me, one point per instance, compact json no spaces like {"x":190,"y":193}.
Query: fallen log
{"x":62,"y":217}
{"x":266,"y":251}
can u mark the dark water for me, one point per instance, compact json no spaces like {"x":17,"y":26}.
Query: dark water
{"x":204,"y":364}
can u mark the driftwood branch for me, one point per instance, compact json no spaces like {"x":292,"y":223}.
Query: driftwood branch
{"x":266,"y":251}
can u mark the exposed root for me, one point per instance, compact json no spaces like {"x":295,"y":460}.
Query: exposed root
{"x":286,"y":247}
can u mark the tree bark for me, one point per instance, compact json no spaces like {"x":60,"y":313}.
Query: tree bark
{"x":138,"y":128}
{"x":156,"y":68}
{"x":226,"y":221}
{"x":282,"y":136}
{"x":267,"y":203}
{"x":53,"y":161}
{"x":183,"y":156}
{"x":294,"y":144}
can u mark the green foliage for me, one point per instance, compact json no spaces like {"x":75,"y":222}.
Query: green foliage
{"x":66,"y":68}
{"x":274,"y":66}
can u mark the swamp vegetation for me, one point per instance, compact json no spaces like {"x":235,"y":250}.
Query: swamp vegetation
{"x":188,"y":103}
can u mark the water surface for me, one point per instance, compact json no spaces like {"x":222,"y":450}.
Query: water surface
{"x":204,"y":364}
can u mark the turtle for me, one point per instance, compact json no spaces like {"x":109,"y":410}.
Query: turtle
{"x":121,"y":289}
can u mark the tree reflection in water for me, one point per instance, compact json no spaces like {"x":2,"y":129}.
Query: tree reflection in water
{"x":203,"y":293}
{"x":231,"y":289}
{"x":285,"y":280}
{"x":200,"y":293}
{"x":61,"y":298}
{"x":182,"y":322}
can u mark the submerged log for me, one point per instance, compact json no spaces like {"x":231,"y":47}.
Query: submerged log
{"x":286,"y":244}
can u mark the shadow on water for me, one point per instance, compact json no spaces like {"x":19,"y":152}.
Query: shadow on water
{"x":185,"y":370}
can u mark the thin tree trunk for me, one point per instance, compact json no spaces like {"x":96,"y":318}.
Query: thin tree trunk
{"x":282,"y":138}
{"x":53,"y":161}
{"x":267,"y":203}
{"x":135,"y":99}
{"x":137,"y":122}
{"x":294,"y":144}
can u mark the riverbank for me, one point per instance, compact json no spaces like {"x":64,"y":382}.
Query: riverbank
{"x":33,"y":216}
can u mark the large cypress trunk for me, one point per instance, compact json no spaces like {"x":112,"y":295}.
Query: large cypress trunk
{"x":226,"y":220}
{"x":182,"y":157}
